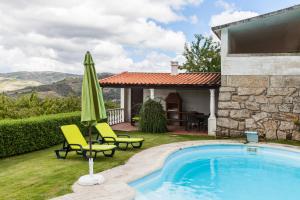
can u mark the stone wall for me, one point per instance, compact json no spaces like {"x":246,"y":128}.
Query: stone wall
{"x":267,"y":104}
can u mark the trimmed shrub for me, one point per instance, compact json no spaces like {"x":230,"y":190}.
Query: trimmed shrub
{"x":34,"y":133}
{"x":152,"y":117}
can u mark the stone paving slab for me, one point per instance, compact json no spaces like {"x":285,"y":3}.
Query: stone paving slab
{"x":141,"y":164}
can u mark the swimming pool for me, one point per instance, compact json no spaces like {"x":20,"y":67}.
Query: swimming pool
{"x":224,"y":172}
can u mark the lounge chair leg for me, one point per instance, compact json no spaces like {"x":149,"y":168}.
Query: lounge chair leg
{"x":84,"y":155}
{"x":121,"y":148}
{"x":111,"y":154}
{"x":138,"y":146}
{"x":57,"y":152}
{"x":95,"y":155}
{"x":118,"y":145}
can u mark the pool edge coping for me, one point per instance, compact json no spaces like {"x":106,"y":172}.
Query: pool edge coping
{"x":117,"y":179}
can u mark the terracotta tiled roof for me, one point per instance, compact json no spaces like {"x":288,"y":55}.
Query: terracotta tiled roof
{"x":163,"y":79}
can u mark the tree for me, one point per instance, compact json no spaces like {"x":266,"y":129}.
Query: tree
{"x":203,"y":55}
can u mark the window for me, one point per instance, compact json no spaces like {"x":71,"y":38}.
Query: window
{"x":280,"y":35}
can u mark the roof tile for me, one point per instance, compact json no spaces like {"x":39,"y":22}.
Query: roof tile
{"x":162,"y":79}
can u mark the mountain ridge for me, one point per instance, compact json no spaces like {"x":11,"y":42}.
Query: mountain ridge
{"x":50,"y":84}
{"x":44,"y":77}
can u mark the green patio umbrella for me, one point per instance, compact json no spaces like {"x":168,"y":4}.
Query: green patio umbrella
{"x":93,"y":109}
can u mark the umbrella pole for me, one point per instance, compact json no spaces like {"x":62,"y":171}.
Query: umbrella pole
{"x":91,"y":179}
{"x":91,"y":161}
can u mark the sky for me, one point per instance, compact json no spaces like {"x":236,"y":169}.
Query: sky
{"x":122,"y":35}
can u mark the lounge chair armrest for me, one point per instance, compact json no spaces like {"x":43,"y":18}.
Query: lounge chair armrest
{"x":95,"y":141}
{"x":104,"y":138}
{"x":123,"y":135}
{"x":70,"y":146}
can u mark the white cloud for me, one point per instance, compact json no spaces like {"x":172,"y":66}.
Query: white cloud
{"x":154,"y":62}
{"x":17,"y":60}
{"x":225,"y":5}
{"x":194,"y":19}
{"x":54,"y":35}
{"x":230,"y":14}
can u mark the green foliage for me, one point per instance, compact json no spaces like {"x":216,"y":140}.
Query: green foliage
{"x":203,"y":55}
{"x":111,"y":105}
{"x":297,"y":123}
{"x":31,"y":134}
{"x":152,"y":117}
{"x":31,"y":105}
{"x":29,"y":123}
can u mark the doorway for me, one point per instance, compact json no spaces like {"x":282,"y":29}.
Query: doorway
{"x":137,"y":96}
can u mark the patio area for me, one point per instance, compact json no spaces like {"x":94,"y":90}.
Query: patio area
{"x":124,"y":126}
{"x":172,"y":129}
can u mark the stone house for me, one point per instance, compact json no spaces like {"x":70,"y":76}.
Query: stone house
{"x":260,"y":78}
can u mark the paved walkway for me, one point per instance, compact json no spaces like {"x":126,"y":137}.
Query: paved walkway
{"x":124,"y":127}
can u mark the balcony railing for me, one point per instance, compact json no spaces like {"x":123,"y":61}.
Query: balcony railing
{"x":115,"y":116}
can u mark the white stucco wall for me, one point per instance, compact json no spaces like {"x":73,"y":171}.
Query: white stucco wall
{"x":160,"y":94}
{"x":192,"y":100}
{"x":257,"y":64}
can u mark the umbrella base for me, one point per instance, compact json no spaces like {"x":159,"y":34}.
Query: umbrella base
{"x":88,"y":180}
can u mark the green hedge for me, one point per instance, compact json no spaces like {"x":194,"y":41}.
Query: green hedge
{"x":34,"y":133}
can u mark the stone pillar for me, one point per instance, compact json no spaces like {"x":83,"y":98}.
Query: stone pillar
{"x":127,"y":104}
{"x":212,"y":121}
{"x":122,"y":102}
{"x":122,"y":98}
{"x":151,"y":93}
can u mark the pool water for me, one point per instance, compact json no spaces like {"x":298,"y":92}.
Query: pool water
{"x":224,"y":172}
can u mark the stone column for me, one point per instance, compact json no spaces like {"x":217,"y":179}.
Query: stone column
{"x":122,"y":98}
{"x":127,"y":104}
{"x":151,"y":93}
{"x":212,"y":121}
{"x":122,"y":102}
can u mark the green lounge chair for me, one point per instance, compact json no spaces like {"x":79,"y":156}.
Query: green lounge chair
{"x":74,"y":141}
{"x":109,"y":136}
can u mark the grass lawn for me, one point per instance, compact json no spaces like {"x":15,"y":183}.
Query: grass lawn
{"x":289,"y":142}
{"x":39,"y":175}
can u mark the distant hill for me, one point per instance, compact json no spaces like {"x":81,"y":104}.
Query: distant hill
{"x":19,"y":80}
{"x":10,"y":84}
{"x":50,"y":84}
{"x":66,"y":87}
{"x":44,"y":77}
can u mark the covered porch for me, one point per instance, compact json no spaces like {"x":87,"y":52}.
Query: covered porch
{"x":189,"y":99}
